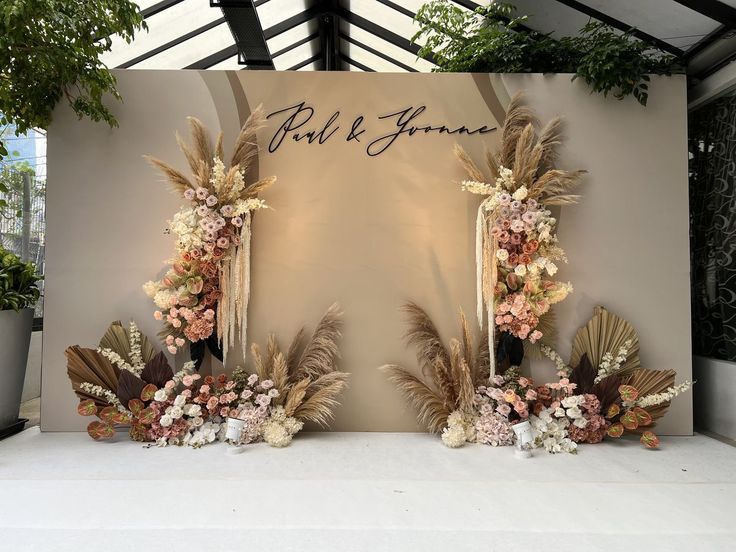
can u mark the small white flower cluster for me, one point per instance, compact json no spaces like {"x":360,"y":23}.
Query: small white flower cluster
{"x":658,"y":398}
{"x":117,"y":360}
{"x":474,"y":187}
{"x":562,"y":368}
{"x":570,"y":408}
{"x":550,"y":432}
{"x":460,"y":430}
{"x":103,"y":393}
{"x":134,"y":339}
{"x":505,"y":178}
{"x":208,"y":432}
{"x":610,"y":365}
{"x":279,"y":429}
{"x":242,"y":206}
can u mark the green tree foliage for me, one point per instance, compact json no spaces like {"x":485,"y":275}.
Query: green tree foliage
{"x":493,"y":40}
{"x":18,"y":282}
{"x":50,"y":50}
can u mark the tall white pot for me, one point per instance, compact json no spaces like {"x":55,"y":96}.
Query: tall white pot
{"x":15,"y":338}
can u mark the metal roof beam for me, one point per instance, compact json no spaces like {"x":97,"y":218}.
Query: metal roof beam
{"x":242,"y":18}
{"x":159,"y":7}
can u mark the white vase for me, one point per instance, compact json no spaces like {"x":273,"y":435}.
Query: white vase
{"x":15,"y":338}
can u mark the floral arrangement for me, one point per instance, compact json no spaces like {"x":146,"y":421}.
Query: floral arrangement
{"x":606,"y":394}
{"x":205,"y":292}
{"x":516,"y":243}
{"x":126,"y":384}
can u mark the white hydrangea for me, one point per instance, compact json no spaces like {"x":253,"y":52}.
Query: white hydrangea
{"x":185,"y":225}
{"x":453,"y":436}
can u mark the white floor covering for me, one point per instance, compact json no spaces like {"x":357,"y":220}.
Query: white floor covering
{"x":363,"y":492}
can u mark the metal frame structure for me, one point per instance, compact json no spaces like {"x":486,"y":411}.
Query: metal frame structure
{"x":328,"y":42}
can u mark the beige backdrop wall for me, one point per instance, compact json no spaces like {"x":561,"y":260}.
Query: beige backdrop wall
{"x":369,"y":232}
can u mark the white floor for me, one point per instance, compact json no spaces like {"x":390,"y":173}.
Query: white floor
{"x":363,"y":492}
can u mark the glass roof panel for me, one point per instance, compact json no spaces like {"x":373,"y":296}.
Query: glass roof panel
{"x":191,"y":51}
{"x":665,"y":19}
{"x":296,"y":55}
{"x":163,"y":27}
{"x":399,"y":54}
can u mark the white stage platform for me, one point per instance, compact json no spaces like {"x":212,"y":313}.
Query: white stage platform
{"x":363,"y":492}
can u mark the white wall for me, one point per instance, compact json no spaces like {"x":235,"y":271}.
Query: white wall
{"x":369,"y":232}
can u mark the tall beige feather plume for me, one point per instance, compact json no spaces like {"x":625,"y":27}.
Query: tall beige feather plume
{"x":202,"y":141}
{"x":468,"y":164}
{"x":246,"y":145}
{"x":432,"y":410}
{"x":322,"y":350}
{"x":177,"y":181}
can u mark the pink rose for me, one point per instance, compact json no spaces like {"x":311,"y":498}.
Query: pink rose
{"x":212,"y":403}
{"x":204,"y":389}
{"x":171,"y":349}
{"x":169,"y":384}
{"x":169,"y":339}
{"x":179,"y":341}
{"x":158,"y":315}
{"x":187,"y":380}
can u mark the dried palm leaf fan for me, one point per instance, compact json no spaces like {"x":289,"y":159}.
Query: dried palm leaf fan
{"x":454,"y":372}
{"x":606,"y":333}
{"x":117,"y":338}
{"x":89,"y":366}
{"x":307,"y":377}
{"x":530,"y":156}
{"x":652,"y":382}
{"x":234,"y":268}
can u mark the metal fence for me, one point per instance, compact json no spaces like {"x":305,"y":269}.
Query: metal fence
{"x":23,"y":225}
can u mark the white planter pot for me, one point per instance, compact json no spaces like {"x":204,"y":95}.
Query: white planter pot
{"x":15,"y":338}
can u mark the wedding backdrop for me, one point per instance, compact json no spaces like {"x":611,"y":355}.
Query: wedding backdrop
{"x":368,"y":212}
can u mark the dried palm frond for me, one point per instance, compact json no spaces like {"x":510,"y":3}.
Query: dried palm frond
{"x":470,"y":167}
{"x":321,"y":352}
{"x":308,"y":381}
{"x":453,"y":375}
{"x":89,"y":366}
{"x":431,"y":407}
{"x":518,"y":117}
{"x":606,"y":333}
{"x":650,"y":382}
{"x":178,"y":182}
{"x":246,"y":145}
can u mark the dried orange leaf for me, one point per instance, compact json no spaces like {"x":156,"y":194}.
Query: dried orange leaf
{"x":642,"y":416}
{"x":100,"y":431}
{"x":87,"y":408}
{"x":628,"y":393}
{"x":649,"y":440}
{"x":629,"y":421}
{"x":613,"y":411}
{"x":135,"y":406}
{"x":616,"y":430}
{"x":148,"y":392}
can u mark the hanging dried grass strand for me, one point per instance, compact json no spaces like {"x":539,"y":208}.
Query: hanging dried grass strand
{"x":244,"y":288}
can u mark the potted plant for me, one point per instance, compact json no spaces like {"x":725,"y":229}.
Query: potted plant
{"x":18,"y":294}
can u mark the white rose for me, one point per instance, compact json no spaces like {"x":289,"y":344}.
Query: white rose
{"x":574,"y":412}
{"x":161,"y":395}
{"x":176,"y":412}
{"x":502,"y":255}
{"x":551,"y":268}
{"x":192,"y":410}
{"x":560,"y":412}
{"x":197,"y":421}
{"x":180,"y":400}
{"x":580,"y":422}
{"x":520,"y":194}
{"x":166,"y":420}
{"x":520,"y":270}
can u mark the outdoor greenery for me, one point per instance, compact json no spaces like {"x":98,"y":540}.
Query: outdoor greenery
{"x":493,"y":40}
{"x":11,"y":187}
{"x":49,"y":51}
{"x":18,"y":282}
